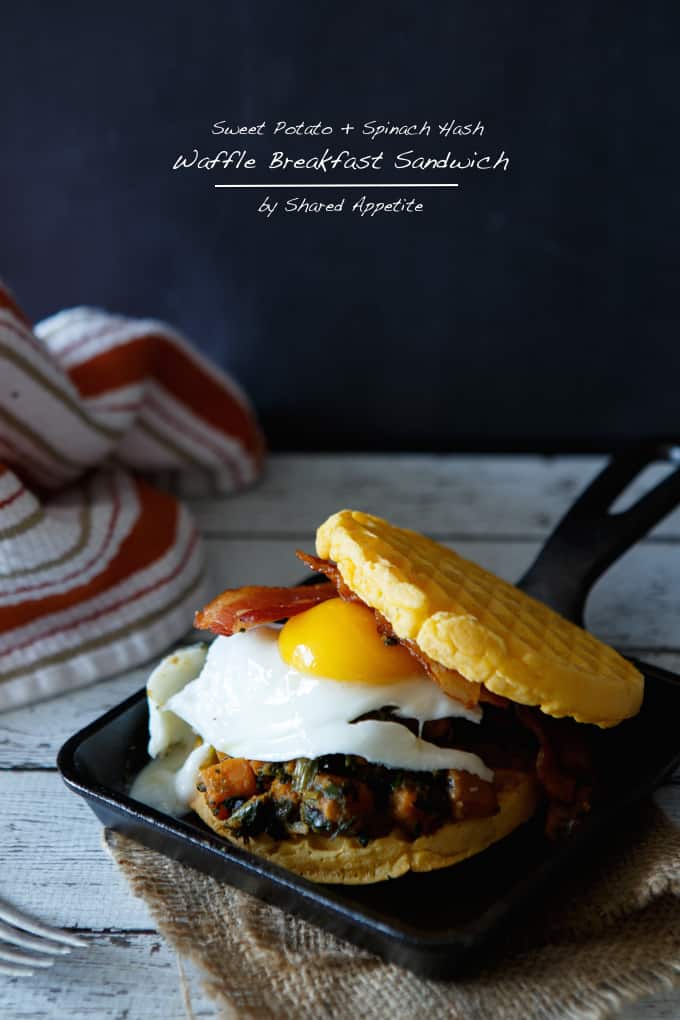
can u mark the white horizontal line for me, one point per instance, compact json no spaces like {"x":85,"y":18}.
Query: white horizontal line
{"x":329,"y":185}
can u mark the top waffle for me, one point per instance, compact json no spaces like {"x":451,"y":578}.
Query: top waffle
{"x":469,"y":620}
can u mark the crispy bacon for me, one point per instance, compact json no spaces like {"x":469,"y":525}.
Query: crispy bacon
{"x":557,"y":783}
{"x":494,"y":699}
{"x":563,"y":768}
{"x":451,"y":681}
{"x":239,"y":609}
{"x":332,"y":572}
{"x":229,"y":778}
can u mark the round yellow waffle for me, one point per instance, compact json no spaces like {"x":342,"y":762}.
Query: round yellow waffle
{"x":343,"y":858}
{"x":469,"y":620}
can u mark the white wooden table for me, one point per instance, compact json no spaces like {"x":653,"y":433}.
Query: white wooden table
{"x":496,"y":510}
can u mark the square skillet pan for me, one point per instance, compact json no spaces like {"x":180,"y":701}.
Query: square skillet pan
{"x":438,"y":923}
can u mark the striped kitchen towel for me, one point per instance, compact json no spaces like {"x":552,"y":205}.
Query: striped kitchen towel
{"x":99,"y":570}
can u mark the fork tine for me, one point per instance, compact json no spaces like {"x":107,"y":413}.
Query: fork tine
{"x":9,"y":956}
{"x":21,"y":920}
{"x":8,"y":933}
{"x":14,"y":970}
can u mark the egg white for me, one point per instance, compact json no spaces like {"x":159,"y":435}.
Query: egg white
{"x":245,"y":701}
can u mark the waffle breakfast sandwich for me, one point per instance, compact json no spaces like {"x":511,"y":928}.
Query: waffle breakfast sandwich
{"x":412,"y":710}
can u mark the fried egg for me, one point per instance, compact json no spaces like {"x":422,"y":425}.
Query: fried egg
{"x":300,"y":691}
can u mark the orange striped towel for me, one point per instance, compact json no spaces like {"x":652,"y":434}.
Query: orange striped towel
{"x":99,"y":571}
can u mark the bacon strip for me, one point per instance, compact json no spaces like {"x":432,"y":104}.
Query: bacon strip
{"x":239,"y":609}
{"x":332,"y":572}
{"x":563,"y":767}
{"x":451,"y":681}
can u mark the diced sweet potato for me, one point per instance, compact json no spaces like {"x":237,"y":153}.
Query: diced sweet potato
{"x":231,"y":777}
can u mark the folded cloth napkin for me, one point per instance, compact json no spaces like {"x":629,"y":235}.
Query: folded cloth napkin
{"x":608,"y":936}
{"x":99,"y":571}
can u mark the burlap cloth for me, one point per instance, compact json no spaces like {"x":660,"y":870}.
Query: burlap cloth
{"x":607,"y":937}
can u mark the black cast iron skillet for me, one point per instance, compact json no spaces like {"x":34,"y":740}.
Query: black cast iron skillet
{"x":440,"y":923}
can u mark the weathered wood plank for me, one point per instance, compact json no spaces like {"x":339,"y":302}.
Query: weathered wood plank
{"x":666,"y":1006}
{"x":32,"y":736}
{"x":442,"y":495}
{"x":119,"y":975}
{"x":79,"y":885}
{"x":636,"y":604}
{"x":233,"y":562}
{"x":47,"y":825}
{"x":134,"y":976}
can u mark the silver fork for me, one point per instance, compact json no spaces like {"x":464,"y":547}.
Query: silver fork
{"x":18,"y":929}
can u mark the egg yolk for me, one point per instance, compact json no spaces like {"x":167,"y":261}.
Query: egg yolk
{"x":339,"y":640}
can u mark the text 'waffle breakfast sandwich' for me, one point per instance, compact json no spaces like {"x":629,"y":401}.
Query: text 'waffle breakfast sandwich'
{"x":413,"y":710}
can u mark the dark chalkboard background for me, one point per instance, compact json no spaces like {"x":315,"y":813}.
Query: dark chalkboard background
{"x":536,"y":307}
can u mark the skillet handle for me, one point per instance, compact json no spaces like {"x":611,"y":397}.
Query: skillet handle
{"x":589,"y":538}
